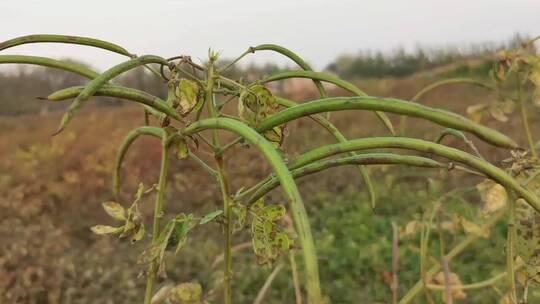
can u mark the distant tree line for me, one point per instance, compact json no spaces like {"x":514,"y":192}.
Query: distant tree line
{"x":400,"y":63}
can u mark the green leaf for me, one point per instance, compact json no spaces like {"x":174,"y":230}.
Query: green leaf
{"x":186,"y":293}
{"x":103,"y":229}
{"x":239,"y":217}
{"x":180,"y":147}
{"x":115,"y":210}
{"x":273,"y":212}
{"x":189,"y":94}
{"x":210,"y":217}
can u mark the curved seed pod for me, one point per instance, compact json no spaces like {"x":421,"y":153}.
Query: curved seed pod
{"x":294,"y":57}
{"x":65,"y":39}
{"x":333,"y":80}
{"x":99,"y":81}
{"x":124,"y":147}
{"x":144,"y":98}
{"x":325,"y":123}
{"x":361,"y":159}
{"x":498,"y":175}
{"x":441,"y":117}
{"x":290,"y":189}
{"x":48,"y":62}
{"x":459,"y":135}
{"x":450,"y":81}
{"x":439,"y":84}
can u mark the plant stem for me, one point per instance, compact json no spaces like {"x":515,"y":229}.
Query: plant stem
{"x":524,"y":118}
{"x":510,"y":267}
{"x":158,"y":213}
{"x":458,"y":249}
{"x":223,"y":183}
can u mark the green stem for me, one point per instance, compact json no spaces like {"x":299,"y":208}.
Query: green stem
{"x":458,"y":249}
{"x":290,"y":189}
{"x":223,"y":183}
{"x":510,"y":269}
{"x":158,"y":214}
{"x":524,"y":118}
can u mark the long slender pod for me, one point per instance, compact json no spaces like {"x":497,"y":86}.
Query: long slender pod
{"x":49,"y":62}
{"x":102,"y":79}
{"x":65,"y":39}
{"x":124,"y":147}
{"x":330,"y":79}
{"x":456,"y":155}
{"x":442,"y":83}
{"x":364,"y":172}
{"x":441,"y":117}
{"x":290,"y":189}
{"x":361,"y":159}
{"x":119,"y":92}
{"x":294,"y":57}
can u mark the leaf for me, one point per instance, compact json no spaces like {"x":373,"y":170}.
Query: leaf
{"x":180,"y":147}
{"x":527,"y":239}
{"x":282,"y":241}
{"x":149,"y":254}
{"x":189,"y":94}
{"x":472,"y":228}
{"x":493,"y":195}
{"x":454,"y":281}
{"x":210,"y":217}
{"x":239,"y":217}
{"x":497,"y":113}
{"x":257,"y":103}
{"x":186,"y":293}
{"x":410,"y":229}
{"x":139,"y":234}
{"x":115,"y":210}
{"x":273,"y":212}
{"x":475,"y":111}
{"x":103,"y":229}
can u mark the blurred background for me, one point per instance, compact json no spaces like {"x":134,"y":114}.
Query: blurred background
{"x":51,"y":188}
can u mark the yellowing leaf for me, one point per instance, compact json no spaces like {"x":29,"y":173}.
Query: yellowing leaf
{"x":115,"y":210}
{"x":186,"y":293}
{"x":498,"y":113}
{"x":454,"y":282}
{"x":475,"y":111}
{"x":493,"y":196}
{"x":472,"y":228}
{"x":410,"y":228}
{"x":189,"y":94}
{"x":103,"y":229}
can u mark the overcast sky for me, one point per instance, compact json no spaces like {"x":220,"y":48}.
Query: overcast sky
{"x":318,"y":30}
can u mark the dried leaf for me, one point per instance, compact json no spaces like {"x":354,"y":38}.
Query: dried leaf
{"x":454,"y":282}
{"x":493,"y":196}
{"x":410,"y":229}
{"x":497,"y":113}
{"x":475,"y":111}
{"x":115,"y":210}
{"x":103,"y":229}
{"x":527,"y":240}
{"x":473,"y":228}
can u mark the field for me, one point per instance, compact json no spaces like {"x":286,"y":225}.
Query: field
{"x":51,"y":189}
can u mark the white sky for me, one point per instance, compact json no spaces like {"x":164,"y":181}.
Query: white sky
{"x":318,"y":30}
